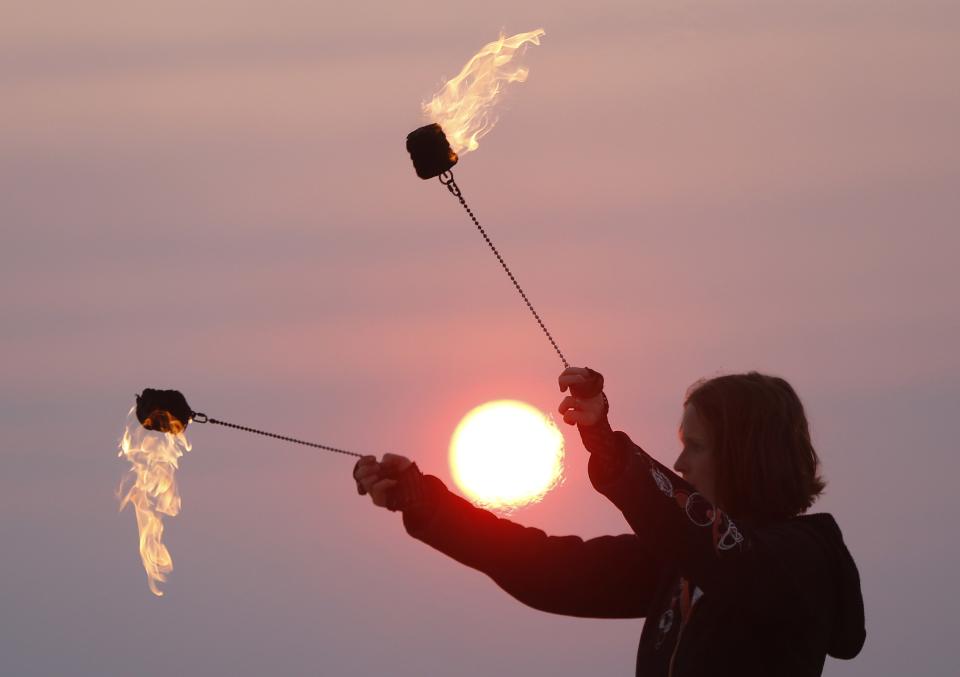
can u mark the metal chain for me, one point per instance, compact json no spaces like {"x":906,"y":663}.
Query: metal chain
{"x":203,"y":418}
{"x":446,"y":178}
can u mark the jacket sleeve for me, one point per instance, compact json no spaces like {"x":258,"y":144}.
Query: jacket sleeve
{"x":797,"y":572}
{"x":668,"y":515}
{"x":605,"y":577}
{"x":756,"y":567}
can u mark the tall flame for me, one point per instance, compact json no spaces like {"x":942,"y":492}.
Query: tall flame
{"x":464,"y":107}
{"x":151,"y":489}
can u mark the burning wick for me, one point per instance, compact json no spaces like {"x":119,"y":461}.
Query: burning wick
{"x":166,"y":411}
{"x":153,"y":442}
{"x":463,"y":109}
{"x":430,"y":151}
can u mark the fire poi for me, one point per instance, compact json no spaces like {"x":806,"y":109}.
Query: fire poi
{"x":154,"y":438}
{"x":504,"y":454}
{"x":153,"y":442}
{"x":462,"y":112}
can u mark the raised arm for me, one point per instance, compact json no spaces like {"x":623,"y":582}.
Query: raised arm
{"x":675,"y":521}
{"x":605,"y":577}
{"x":789,"y":572}
{"x":680,"y":525}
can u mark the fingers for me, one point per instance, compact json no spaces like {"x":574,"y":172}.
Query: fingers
{"x":376,"y":477}
{"x":587,"y":418}
{"x":569,"y":403}
{"x":364,"y":472}
{"x":582,"y":381}
{"x":365,"y":461}
{"x":380,"y":490}
{"x":395,"y":463}
{"x":576,"y":410}
{"x":573,"y":376}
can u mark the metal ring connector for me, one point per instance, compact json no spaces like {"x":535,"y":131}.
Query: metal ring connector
{"x":200,"y":418}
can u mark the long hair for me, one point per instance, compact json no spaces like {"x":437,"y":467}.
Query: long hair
{"x":766,"y":466}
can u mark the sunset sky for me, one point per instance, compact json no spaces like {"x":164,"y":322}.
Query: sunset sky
{"x":215,"y":197}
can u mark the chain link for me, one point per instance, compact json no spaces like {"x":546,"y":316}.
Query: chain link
{"x":447,"y":180}
{"x":203,"y":418}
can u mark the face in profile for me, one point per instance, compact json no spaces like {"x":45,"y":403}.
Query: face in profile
{"x":696,"y":461}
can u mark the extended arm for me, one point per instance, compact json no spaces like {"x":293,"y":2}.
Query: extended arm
{"x":605,"y":577}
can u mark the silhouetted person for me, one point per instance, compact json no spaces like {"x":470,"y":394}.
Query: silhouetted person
{"x":732,"y":578}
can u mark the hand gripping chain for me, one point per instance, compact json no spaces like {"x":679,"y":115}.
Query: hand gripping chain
{"x":446,"y":178}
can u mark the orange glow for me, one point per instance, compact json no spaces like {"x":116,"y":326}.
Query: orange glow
{"x":152,"y":491}
{"x":464,"y":106}
{"x":506,"y":454}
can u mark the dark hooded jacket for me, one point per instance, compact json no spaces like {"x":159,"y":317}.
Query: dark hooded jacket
{"x":720,"y":597}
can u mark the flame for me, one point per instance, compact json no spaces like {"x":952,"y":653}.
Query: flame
{"x":164,"y":421}
{"x":464,"y":107}
{"x":154,"y":458}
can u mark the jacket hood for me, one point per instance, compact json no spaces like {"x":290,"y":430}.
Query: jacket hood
{"x":842,"y":594}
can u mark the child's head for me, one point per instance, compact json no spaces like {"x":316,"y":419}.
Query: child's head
{"x":747,"y":447}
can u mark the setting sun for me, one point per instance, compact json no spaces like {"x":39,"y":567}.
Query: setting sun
{"x":506,"y":454}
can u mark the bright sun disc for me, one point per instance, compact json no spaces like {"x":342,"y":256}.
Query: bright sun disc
{"x":506,"y":454}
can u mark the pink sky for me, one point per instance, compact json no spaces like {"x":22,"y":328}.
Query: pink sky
{"x":216,"y":198}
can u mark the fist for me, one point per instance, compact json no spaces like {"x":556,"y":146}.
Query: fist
{"x":377,"y":478}
{"x":586,"y":405}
